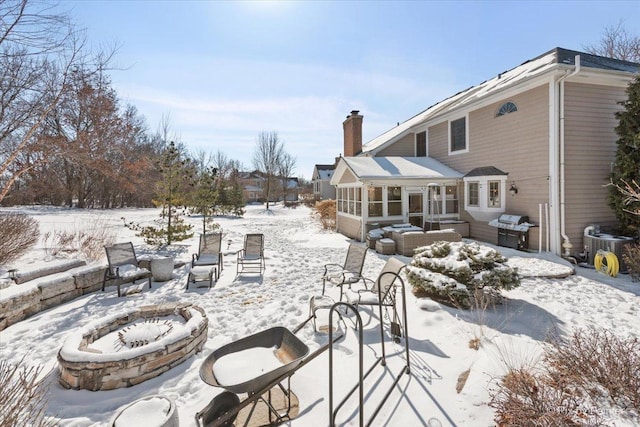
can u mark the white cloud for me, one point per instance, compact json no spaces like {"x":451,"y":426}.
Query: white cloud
{"x":225,"y":104}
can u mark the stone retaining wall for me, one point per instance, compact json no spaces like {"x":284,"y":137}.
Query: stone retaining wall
{"x":59,"y":267}
{"x":43,"y":292}
{"x":134,"y":366}
{"x":46,"y":292}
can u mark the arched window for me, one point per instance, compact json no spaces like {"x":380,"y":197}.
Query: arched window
{"x":506,"y":108}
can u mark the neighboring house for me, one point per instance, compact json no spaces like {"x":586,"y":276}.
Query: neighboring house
{"x":537,"y":140}
{"x":253,"y":184}
{"x":321,"y":179}
{"x":293,"y":187}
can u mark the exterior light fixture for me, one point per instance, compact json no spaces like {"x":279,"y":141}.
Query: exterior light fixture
{"x":513,"y":189}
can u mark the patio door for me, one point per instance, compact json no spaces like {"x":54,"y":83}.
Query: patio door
{"x":416,"y":209}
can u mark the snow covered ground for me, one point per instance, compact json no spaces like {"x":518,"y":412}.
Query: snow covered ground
{"x":296,"y":249}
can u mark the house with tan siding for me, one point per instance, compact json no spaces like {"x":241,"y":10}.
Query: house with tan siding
{"x":536,"y":141}
{"x":253,"y":187}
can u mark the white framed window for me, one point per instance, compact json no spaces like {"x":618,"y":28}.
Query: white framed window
{"x":484,"y":197}
{"x":494,"y":200}
{"x":473,"y":192}
{"x":375,"y":201}
{"x":421,"y":144}
{"x":458,"y":135}
{"x":349,"y":200}
{"x":394,"y":201}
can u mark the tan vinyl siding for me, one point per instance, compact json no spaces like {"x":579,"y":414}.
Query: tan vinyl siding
{"x":349,"y":226}
{"x":405,"y":147}
{"x":483,"y":232}
{"x":516,"y":143}
{"x":590,"y":149}
{"x":348,"y":177}
{"x":437,"y":140}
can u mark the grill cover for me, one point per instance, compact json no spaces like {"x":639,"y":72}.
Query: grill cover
{"x":511,"y":222}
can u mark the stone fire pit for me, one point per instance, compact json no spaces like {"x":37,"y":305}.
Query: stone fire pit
{"x":131,"y":347}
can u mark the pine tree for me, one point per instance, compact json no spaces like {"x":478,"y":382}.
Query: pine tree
{"x":627,"y":165}
{"x":222,"y":198}
{"x":205,"y":198}
{"x":176,"y":174}
{"x":236,"y":195}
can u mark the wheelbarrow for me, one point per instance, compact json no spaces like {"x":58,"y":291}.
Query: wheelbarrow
{"x":254,"y":365}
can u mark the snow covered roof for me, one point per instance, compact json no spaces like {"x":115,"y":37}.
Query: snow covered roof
{"x":292,"y":183}
{"x":398,"y":167}
{"x":552,"y":60}
{"x":325,"y":172}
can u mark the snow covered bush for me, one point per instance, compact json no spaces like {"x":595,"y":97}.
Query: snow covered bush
{"x":451,"y":272}
{"x":18,"y":232}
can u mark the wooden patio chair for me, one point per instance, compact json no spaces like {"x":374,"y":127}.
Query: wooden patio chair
{"x":209,"y":258}
{"x":348,"y":273}
{"x":123,"y":266}
{"x":251,"y":256}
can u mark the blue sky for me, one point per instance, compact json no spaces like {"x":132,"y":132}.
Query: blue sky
{"x":224,"y":71}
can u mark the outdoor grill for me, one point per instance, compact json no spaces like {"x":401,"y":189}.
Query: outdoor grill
{"x":513,"y":231}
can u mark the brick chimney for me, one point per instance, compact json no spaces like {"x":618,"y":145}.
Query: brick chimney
{"x":352,"y":134}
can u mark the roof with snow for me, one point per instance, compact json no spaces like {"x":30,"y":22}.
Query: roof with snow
{"x":399,"y":167}
{"x":325,"y":171}
{"x":292,"y":183}
{"x":553,"y":59}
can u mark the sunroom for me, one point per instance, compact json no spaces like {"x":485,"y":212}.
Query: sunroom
{"x":373,"y":192}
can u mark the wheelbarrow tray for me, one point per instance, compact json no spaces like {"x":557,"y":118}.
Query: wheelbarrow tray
{"x":289,"y":349}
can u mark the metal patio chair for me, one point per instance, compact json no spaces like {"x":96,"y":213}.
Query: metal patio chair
{"x":251,"y":256}
{"x":348,"y":273}
{"x":208,"y":258}
{"x":123,"y":266}
{"x":383,"y":293}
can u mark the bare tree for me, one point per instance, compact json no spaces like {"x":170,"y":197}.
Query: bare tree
{"x":266,"y":160}
{"x":39,"y":52}
{"x":86,"y":123}
{"x":618,"y":43}
{"x":202,"y":159}
{"x":285,"y":170}
{"x":222,"y":163}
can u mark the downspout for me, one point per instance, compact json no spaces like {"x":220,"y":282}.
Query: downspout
{"x":566,"y":243}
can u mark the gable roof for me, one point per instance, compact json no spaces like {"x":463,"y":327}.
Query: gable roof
{"x":554,"y":59}
{"x":325,"y":167}
{"x":485,"y":171}
{"x":325,"y":171}
{"x":396,"y":168}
